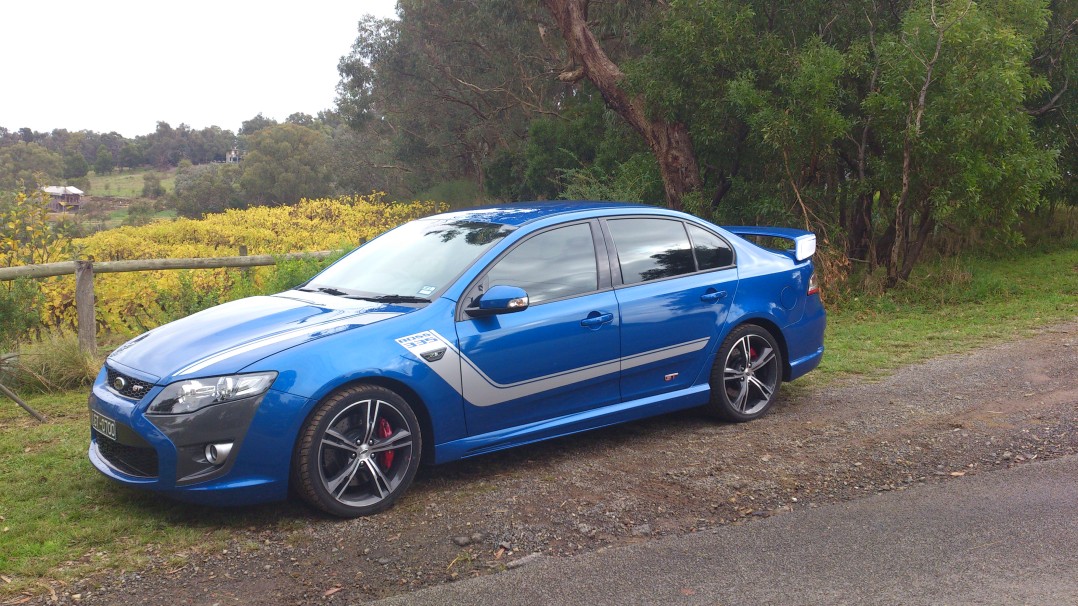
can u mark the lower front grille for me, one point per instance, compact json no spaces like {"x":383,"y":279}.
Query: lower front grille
{"x":140,"y":461}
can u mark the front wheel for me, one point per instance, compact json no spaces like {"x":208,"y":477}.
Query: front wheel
{"x":358,"y":452}
{"x":746,"y":376}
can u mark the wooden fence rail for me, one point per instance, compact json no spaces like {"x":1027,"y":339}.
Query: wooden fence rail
{"x":84,"y":278}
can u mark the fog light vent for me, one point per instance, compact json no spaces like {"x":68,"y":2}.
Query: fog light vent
{"x":218,"y":453}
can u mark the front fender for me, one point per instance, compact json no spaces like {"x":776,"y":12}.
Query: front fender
{"x":318,"y":368}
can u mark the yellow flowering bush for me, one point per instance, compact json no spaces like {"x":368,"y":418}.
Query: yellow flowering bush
{"x":129,"y":303}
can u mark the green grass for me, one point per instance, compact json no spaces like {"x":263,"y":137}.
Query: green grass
{"x":60,"y":520}
{"x":128,"y":183}
{"x":950,"y":307}
{"x":117,"y":217}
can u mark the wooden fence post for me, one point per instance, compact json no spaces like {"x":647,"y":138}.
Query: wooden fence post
{"x":84,"y":306}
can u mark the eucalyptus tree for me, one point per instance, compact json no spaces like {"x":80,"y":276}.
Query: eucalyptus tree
{"x":449,"y":84}
{"x":284,"y":163}
{"x":28,"y":165}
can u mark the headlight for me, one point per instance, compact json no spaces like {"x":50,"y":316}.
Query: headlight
{"x":193,"y":394}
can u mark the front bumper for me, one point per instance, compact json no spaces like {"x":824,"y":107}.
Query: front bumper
{"x":166,"y":452}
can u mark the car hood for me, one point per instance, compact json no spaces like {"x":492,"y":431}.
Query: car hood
{"x":226,"y":338}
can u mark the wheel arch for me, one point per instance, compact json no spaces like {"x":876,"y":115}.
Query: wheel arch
{"x":776,"y":332}
{"x":419,"y":407}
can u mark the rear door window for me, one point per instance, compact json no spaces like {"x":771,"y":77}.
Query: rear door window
{"x":651,"y":249}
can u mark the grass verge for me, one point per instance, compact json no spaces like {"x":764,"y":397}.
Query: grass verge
{"x":950,"y":307}
{"x":60,"y":520}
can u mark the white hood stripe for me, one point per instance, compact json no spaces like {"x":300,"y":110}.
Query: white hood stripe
{"x":310,"y":332}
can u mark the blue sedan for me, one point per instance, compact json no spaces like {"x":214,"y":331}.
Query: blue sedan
{"x":454,"y":336}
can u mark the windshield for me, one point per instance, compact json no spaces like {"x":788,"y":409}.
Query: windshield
{"x":411,"y":262}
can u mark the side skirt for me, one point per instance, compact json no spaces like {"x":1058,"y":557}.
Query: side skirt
{"x":696,"y":395}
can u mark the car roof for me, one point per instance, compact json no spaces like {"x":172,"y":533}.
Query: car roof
{"x":519,"y":213}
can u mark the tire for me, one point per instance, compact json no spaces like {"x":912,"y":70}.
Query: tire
{"x":358,"y":452}
{"x":742,"y":392}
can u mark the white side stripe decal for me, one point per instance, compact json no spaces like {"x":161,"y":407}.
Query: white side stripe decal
{"x":481,"y":390}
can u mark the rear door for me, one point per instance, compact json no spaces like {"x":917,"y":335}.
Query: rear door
{"x":674,"y":282}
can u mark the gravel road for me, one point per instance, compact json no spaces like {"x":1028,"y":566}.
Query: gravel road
{"x":956,"y":415}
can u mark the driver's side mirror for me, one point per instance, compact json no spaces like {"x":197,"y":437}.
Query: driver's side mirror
{"x":500,"y":299}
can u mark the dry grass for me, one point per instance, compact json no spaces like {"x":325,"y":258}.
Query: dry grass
{"x":53,"y":364}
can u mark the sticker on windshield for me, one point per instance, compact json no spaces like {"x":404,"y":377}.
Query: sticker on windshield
{"x":426,"y":290}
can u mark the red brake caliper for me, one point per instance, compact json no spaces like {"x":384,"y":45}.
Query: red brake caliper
{"x":385,"y":459}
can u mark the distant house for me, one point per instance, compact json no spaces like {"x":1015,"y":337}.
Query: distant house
{"x":63,"y":198}
{"x":234,"y":156}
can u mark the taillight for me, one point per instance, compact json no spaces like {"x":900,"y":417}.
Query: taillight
{"x":814,"y":285}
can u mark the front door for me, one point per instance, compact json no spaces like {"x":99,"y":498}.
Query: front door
{"x":559,"y":356}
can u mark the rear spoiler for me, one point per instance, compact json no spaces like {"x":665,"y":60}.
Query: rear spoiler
{"x":804,"y":241}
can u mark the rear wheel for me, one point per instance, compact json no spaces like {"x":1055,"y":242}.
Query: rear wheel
{"x":747,"y":373}
{"x":358,"y":452}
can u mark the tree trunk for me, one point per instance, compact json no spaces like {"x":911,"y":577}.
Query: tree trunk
{"x":904,"y":253}
{"x":860,"y":229}
{"x":670,"y":142}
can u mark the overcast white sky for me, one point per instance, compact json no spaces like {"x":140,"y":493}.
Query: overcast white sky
{"x":122,"y":65}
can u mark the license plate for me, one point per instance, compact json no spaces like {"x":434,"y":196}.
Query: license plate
{"x":103,"y":425}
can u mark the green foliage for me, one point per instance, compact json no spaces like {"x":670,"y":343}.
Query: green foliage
{"x":1053,"y":108}
{"x":19,"y":301}
{"x":976,"y":163}
{"x":28,"y":237}
{"x":301,"y":119}
{"x":284,"y":163}
{"x":207,"y":188}
{"x":285,"y":275}
{"x":457,"y":83}
{"x":151,"y":186}
{"x":635,"y":180}
{"x":28,"y":165}
{"x":103,"y":161}
{"x":457,"y":194}
{"x":139,"y":212}
{"x":187,"y":299}
{"x":802,"y":115}
{"x":574,"y":157}
{"x":252,"y":126}
{"x":75,"y":166}
{"x":131,"y":156}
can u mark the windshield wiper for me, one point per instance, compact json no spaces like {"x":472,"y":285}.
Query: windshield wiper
{"x":391,"y":298}
{"x":326,"y":289}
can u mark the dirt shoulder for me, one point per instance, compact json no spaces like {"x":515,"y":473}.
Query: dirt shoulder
{"x":1013,"y":404}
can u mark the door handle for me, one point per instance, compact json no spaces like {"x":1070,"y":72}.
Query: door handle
{"x":596,"y":319}
{"x":713,"y":295}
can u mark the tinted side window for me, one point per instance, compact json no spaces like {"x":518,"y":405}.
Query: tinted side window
{"x":552,"y":265}
{"x":711,"y":250}
{"x":649,"y":249}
